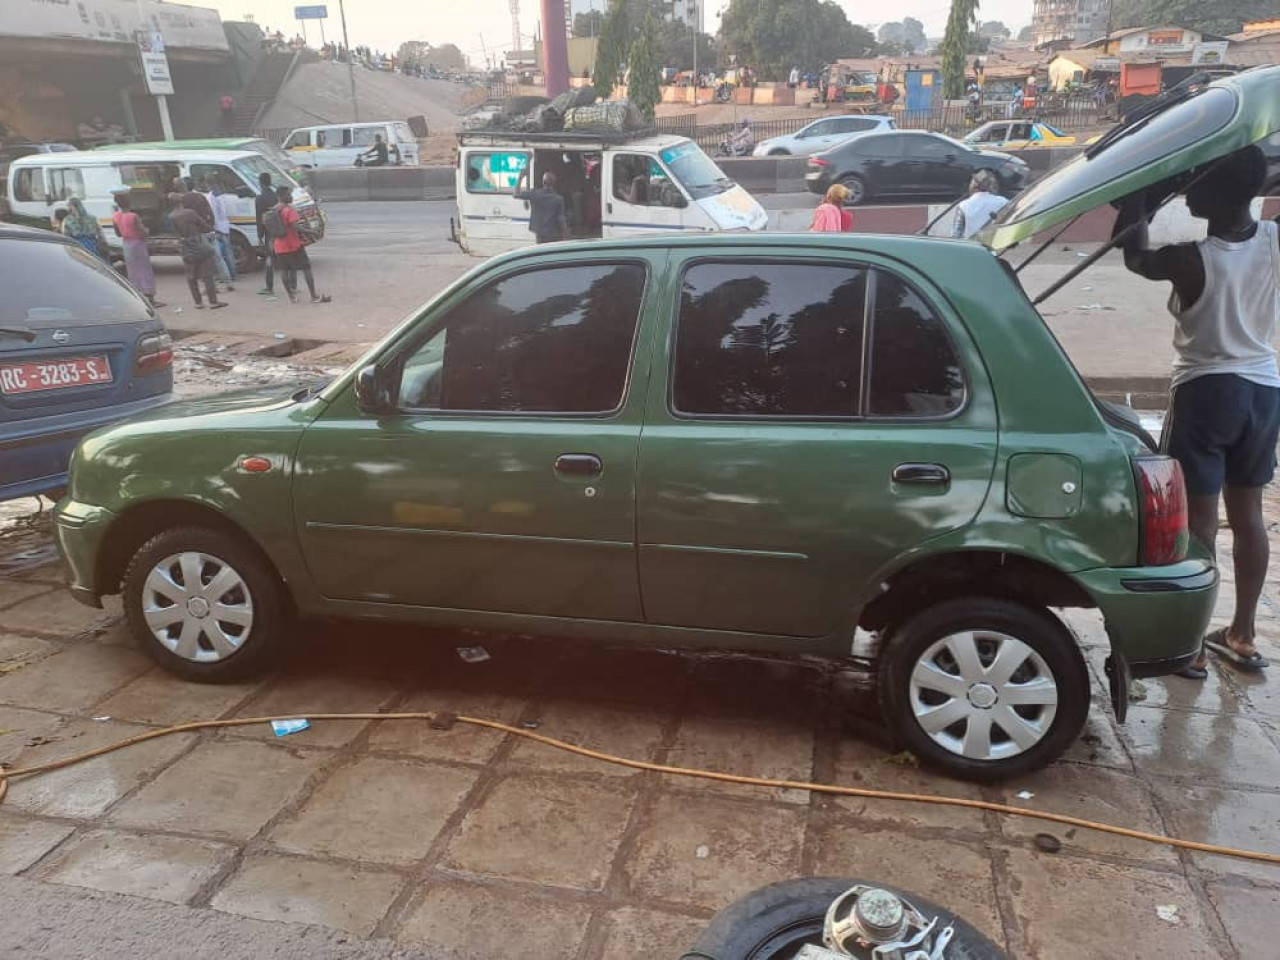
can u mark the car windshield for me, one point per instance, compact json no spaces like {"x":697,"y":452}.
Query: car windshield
{"x":695,"y":171}
{"x":251,"y":167}
{"x":48,"y":283}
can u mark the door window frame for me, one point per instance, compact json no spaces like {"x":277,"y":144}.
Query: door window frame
{"x":872,"y":268}
{"x":394,"y":361}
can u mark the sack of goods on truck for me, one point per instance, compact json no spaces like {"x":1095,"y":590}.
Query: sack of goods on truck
{"x":612,"y":115}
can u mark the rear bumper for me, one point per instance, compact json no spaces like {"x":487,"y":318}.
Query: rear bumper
{"x":1155,"y":616}
{"x":35,"y":453}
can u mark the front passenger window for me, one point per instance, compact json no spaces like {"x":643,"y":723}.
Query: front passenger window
{"x":551,"y":340}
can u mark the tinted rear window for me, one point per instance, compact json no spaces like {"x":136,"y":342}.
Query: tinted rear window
{"x":49,"y":284}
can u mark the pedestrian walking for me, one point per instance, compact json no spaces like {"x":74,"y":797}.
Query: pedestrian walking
{"x":282,"y":223}
{"x":1224,"y":412}
{"x":264,"y":201}
{"x":829,"y":216}
{"x":218,"y":201}
{"x":197,"y":251}
{"x":137,"y":259}
{"x":227,"y":104}
{"x":979,"y":208}
{"x":84,"y":228}
{"x":220,"y":271}
{"x":547,"y":220}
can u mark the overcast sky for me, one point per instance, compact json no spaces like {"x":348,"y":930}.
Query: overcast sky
{"x":478,"y":24}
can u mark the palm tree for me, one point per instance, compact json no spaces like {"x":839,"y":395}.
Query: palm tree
{"x":964,"y":14}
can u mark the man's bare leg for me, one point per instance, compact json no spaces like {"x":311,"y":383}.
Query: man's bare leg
{"x":1250,"y":553}
{"x":1202,"y":518}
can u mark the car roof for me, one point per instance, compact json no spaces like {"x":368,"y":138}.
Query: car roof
{"x":97,"y":158}
{"x":196,"y":143}
{"x":12,"y":231}
{"x":351,"y":123}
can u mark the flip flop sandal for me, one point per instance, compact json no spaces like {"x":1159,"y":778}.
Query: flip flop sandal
{"x":1217,"y":642}
{"x":1193,"y":673}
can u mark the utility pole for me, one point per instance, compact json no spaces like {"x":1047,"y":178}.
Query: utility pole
{"x":351,"y":67}
{"x":691,"y":11}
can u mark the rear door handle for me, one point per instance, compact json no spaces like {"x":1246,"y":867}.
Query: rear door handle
{"x":921,"y":473}
{"x":579,"y":464}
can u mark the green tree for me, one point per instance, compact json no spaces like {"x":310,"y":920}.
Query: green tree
{"x":1220,"y":17}
{"x":1025,"y":33}
{"x":611,"y":54}
{"x":643,"y":87}
{"x":588,"y":24}
{"x":913,"y":35}
{"x":772,"y":36}
{"x":994,"y":30}
{"x":955,"y":46}
{"x":902,"y":37}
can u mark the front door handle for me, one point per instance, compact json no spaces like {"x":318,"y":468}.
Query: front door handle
{"x":921,"y":473}
{"x":579,"y":464}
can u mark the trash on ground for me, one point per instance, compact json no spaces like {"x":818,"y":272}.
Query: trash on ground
{"x":473,"y":654}
{"x":100,"y":719}
{"x":531,"y":724}
{"x":1081,"y":254}
{"x":1168,"y":912}
{"x":1047,"y":843}
{"x":1025,"y":795}
{"x":1137,"y":690}
{"x":280,"y":336}
{"x":702,"y":852}
{"x":282,"y":728}
{"x":904,"y":758}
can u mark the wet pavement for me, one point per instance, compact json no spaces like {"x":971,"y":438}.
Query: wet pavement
{"x":394,"y":835}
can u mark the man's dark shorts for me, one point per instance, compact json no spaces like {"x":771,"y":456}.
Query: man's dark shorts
{"x":1223,"y":428}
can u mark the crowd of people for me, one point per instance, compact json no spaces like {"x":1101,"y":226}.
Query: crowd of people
{"x":198,"y":213}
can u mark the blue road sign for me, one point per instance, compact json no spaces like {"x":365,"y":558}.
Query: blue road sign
{"x":318,"y":12}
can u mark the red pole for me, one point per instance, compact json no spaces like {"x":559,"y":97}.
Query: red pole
{"x":555,"y":48}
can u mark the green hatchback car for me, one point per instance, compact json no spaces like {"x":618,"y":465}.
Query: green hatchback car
{"x":813,"y":444}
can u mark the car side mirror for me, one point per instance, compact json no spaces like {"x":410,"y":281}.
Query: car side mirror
{"x":373,"y":390}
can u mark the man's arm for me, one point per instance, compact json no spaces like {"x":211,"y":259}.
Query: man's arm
{"x":1180,"y":263}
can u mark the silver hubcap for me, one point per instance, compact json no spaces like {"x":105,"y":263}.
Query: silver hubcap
{"x":198,"y":606}
{"x":983,"y":695}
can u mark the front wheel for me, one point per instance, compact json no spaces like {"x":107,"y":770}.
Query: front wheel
{"x":779,"y":152}
{"x":205,"y":605}
{"x":984,"y":689}
{"x":245,"y":253}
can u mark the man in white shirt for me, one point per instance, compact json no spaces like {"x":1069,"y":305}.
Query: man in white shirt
{"x":980,"y":207}
{"x":1224,"y":415}
{"x":224,"y":260}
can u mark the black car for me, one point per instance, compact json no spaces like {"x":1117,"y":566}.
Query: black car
{"x":909,"y":163}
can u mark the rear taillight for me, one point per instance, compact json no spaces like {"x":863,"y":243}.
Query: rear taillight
{"x":819,"y":162}
{"x":154,"y":353}
{"x":1163,"y":500}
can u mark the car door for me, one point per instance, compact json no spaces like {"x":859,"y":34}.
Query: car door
{"x":816,"y":137}
{"x":934,"y":166}
{"x":640,"y":199}
{"x":502,"y":477}
{"x":493,"y":220}
{"x":877,"y":158}
{"x":778,"y":476}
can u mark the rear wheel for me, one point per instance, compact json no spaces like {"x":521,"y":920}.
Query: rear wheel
{"x":984,"y":689}
{"x":857,"y":188}
{"x":779,"y":152}
{"x":205,"y":605}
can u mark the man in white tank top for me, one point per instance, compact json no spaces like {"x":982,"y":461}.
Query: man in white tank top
{"x":1224,"y":415}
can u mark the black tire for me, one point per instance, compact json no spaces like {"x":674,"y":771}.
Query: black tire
{"x":1038,"y":629}
{"x":271,"y":610}
{"x":857,"y":188}
{"x":779,"y":152}
{"x":772,"y":923}
{"x":244,"y":252}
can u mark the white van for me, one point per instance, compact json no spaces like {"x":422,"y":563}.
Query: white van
{"x":40,"y":184}
{"x":342,"y":144}
{"x":613,"y":187}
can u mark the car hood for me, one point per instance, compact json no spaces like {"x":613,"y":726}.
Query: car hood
{"x":249,"y":400}
{"x":1208,"y":123}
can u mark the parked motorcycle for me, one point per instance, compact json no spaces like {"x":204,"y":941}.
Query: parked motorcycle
{"x":831,"y":918}
{"x":724,"y":92}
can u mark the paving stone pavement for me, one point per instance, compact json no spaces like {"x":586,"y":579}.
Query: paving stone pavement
{"x":394,"y":833}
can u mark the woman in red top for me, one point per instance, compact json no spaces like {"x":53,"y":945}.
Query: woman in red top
{"x":137,"y":259}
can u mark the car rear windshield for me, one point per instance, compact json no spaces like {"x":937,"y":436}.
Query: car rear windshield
{"x":47,"y":284}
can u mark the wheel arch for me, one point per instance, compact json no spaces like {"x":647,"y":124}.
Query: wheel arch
{"x":138,"y":524}
{"x":970,"y":573}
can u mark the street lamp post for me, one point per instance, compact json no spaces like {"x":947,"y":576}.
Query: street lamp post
{"x":351,"y":67}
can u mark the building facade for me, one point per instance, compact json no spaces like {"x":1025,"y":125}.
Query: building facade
{"x":1078,"y":21}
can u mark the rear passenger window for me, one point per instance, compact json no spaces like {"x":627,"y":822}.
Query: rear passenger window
{"x":770,"y":340}
{"x":66,"y":183}
{"x":914,"y":368}
{"x":25,"y":184}
{"x":495,"y":172}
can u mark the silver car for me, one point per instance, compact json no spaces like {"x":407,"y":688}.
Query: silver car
{"x":821,"y":135}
